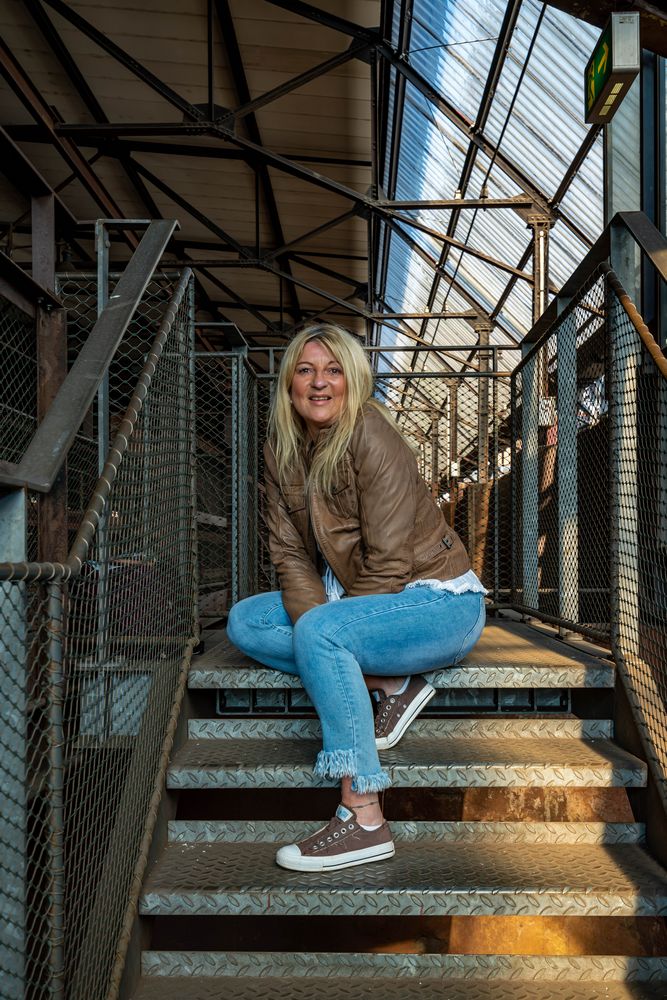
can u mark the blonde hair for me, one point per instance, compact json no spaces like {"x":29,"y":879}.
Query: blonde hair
{"x":287,"y":431}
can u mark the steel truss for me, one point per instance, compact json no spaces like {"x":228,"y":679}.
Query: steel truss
{"x":383,"y":214}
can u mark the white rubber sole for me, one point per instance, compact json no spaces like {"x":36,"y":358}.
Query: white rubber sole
{"x":413,"y":710}
{"x":290,"y":857}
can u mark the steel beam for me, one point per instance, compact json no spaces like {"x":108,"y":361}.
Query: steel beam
{"x":23,"y":290}
{"x":191,"y":210}
{"x":233,"y":51}
{"x":33,"y":101}
{"x":455,"y":203}
{"x":357,"y":49}
{"x":126,"y":60}
{"x":47,"y":450}
{"x":311,"y":234}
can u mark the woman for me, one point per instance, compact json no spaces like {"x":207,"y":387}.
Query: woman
{"x":349,"y":516}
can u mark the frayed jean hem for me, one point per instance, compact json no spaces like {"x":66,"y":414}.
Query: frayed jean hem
{"x":342,"y":764}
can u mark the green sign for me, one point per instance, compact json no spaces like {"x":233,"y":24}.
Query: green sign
{"x":612,"y":67}
{"x":598,"y":70}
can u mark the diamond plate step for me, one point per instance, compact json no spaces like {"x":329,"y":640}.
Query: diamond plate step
{"x":443,"y":762}
{"x":594,"y":969}
{"x":484,"y":728}
{"x":422,"y":989}
{"x":508,"y":655}
{"x":270,"y":831}
{"x":424,"y":878}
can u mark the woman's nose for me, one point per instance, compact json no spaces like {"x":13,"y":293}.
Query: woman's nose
{"x":318,"y":379}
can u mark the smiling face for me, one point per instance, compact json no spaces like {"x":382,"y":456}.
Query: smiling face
{"x":318,"y":387}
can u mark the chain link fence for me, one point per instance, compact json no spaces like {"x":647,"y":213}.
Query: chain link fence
{"x":589,"y":414}
{"x":561,"y":469}
{"x":94,"y":653}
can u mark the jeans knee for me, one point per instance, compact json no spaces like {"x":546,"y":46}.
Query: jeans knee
{"x":233,"y":622}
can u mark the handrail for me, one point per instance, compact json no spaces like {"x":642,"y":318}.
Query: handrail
{"x":26,"y":293}
{"x":647,"y":338}
{"x":48,"y":449}
{"x":650,"y":240}
{"x":47,"y":571}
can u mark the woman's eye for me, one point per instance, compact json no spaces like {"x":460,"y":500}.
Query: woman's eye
{"x":335,"y":371}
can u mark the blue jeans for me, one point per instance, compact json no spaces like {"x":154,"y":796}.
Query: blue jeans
{"x":333,"y":645}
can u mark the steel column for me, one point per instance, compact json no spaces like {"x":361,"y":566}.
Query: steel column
{"x":530,"y":479}
{"x":484,"y":331}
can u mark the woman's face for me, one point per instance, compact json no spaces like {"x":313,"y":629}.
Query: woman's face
{"x":318,"y":387}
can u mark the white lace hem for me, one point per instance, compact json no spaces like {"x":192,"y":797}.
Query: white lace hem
{"x":465,"y":584}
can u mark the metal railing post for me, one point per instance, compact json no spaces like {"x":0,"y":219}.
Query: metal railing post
{"x":56,"y":785}
{"x":14,"y":758}
{"x":625,"y":356}
{"x":567,"y":466}
{"x":530,"y":405}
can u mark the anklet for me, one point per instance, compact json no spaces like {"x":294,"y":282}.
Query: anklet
{"x":373,"y":803}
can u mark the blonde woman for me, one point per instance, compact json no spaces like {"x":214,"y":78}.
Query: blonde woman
{"x":375,"y":587}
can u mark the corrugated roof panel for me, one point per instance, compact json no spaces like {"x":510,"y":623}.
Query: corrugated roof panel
{"x":544,"y":131}
{"x":583,"y":201}
{"x":546,"y":125}
{"x":432,"y":152}
{"x":452,"y":45}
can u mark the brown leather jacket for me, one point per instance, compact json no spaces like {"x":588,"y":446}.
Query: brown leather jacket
{"x":378,"y":531}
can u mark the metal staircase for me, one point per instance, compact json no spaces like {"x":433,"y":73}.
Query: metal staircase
{"x":511,"y":815}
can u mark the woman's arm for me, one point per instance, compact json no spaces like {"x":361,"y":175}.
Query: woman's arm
{"x":300,"y":584}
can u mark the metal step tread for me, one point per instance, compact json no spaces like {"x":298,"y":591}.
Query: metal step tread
{"x":508,"y":655}
{"x":424,"y":878}
{"x":498,"y":727}
{"x":456,"y":762}
{"x":443,"y":832}
{"x":608,"y":969}
{"x":269,"y":988}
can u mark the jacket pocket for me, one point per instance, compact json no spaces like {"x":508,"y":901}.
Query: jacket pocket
{"x":294,"y":500}
{"x":343,"y":499}
{"x":446,"y":542}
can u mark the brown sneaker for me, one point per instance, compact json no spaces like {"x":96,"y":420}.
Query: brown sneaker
{"x":395,"y":712}
{"x":340,"y":844}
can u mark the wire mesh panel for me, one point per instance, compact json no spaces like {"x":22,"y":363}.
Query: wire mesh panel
{"x":216,"y":389}
{"x":458,"y":427}
{"x":97,"y":662}
{"x":561,"y":468}
{"x":638,"y":490}
{"x":18,"y":400}
{"x":78,"y":292}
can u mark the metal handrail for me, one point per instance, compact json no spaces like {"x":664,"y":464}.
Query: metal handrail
{"x":52,"y":440}
{"x":647,"y":237}
{"x":50,"y":571}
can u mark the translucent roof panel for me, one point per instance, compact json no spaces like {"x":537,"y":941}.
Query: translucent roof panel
{"x":452,"y":45}
{"x":533,"y":130}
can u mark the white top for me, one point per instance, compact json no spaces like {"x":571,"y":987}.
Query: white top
{"x":466,"y":583}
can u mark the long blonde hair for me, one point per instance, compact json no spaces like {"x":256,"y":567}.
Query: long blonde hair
{"x":287,"y":432}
